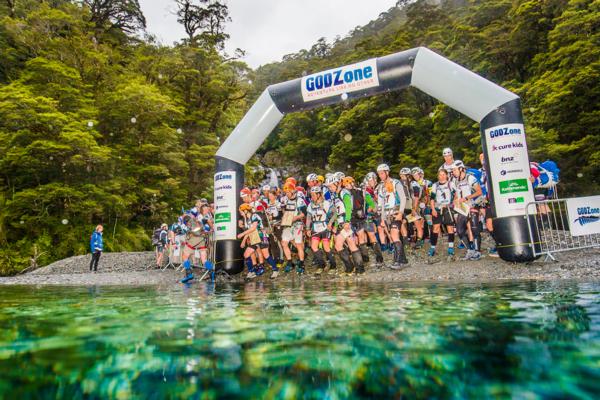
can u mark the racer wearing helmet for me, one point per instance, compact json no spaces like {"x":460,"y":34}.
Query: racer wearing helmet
{"x":486,"y":208}
{"x":442,"y":196}
{"x":319,"y":222}
{"x":273,"y":216}
{"x":420,"y":192}
{"x":254,"y":238}
{"x":344,"y":241}
{"x":294,"y":212}
{"x":468,"y":192}
{"x":448,"y":160}
{"x":392,"y":201}
{"x":358,"y":215}
{"x":407,"y":229}
{"x":370,"y":222}
{"x":312,"y":180}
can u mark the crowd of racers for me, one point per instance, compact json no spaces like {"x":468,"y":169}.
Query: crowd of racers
{"x":337,"y":215}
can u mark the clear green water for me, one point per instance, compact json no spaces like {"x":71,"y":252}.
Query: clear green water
{"x":521,"y":340}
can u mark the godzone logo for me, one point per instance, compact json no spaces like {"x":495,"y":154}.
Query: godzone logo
{"x":223,"y":176}
{"x":587,"y":215}
{"x":494,"y":133}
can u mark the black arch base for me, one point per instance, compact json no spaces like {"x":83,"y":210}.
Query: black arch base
{"x":511,"y":233}
{"x":512,"y":238}
{"x":228,"y":253}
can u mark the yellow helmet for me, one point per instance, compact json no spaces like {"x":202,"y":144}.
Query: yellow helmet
{"x":289,"y":187}
{"x":321,"y":179}
{"x":245,"y":207}
{"x":347,"y":180}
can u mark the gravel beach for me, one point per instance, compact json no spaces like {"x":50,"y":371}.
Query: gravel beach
{"x":138,"y":269}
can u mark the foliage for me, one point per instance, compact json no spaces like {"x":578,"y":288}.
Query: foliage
{"x":99,"y":126}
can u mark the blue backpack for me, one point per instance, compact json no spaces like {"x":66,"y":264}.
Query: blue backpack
{"x":479,"y":176}
{"x":552,"y":170}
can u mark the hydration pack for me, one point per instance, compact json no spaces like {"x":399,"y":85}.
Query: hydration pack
{"x":156,"y":237}
{"x":477,"y":174}
{"x":358,"y":204}
{"x":549,"y":174}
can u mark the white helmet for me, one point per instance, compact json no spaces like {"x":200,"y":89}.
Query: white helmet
{"x":339,"y":175}
{"x":458,"y":164}
{"x":383,"y":167}
{"x":332,"y":180}
{"x":447,"y":151}
{"x":311,"y":177}
{"x":266,"y":188}
{"x":416,"y":170}
{"x":369,"y":176}
{"x":316,"y":189}
{"x":405,"y":171}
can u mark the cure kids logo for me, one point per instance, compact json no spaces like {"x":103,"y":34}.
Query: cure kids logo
{"x":340,"y":80}
{"x":587,"y":215}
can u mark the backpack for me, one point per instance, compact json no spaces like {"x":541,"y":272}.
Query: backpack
{"x":549,"y":174}
{"x":358,"y":204}
{"x":477,"y":174}
{"x":156,"y":237}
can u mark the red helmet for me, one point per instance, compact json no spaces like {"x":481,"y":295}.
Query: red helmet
{"x":245,"y":192}
{"x":300,"y":189}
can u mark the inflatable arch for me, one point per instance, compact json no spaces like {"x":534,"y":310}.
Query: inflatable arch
{"x":497,"y":110}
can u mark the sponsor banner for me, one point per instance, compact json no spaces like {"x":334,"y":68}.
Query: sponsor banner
{"x":225,"y":205}
{"x":336,"y":82}
{"x":509,"y":167}
{"x":584,"y":215}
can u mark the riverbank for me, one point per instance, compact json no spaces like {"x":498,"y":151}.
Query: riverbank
{"x":133,"y":269}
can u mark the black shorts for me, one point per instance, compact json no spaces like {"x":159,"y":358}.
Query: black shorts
{"x":444,"y":217}
{"x":488,"y":212}
{"x":358,"y":225}
{"x":394,"y":224}
{"x":541,"y":193}
{"x":260,"y":246}
{"x":325,"y":235}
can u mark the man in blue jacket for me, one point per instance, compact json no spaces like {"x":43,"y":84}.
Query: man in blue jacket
{"x":96,"y":247}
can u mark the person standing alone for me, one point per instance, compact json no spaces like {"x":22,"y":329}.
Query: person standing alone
{"x":96,"y":246}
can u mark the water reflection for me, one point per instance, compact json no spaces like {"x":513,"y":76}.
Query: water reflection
{"x":303,"y":340}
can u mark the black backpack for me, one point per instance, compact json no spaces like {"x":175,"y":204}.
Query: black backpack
{"x":358,"y":204}
{"x":156,"y":237}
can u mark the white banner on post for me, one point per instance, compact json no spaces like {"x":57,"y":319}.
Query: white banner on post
{"x":225,"y":209}
{"x":584,"y":215}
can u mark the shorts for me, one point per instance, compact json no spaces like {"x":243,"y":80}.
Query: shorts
{"x":358,"y":225}
{"x":444,"y":217}
{"x":344,"y":233}
{"x":292,"y":233}
{"x":187,"y":250}
{"x":369,"y":226}
{"x":488,"y":212}
{"x":262,"y":245}
{"x":393,"y":224}
{"x":160,"y":248}
{"x":541,"y":193}
{"x":325,"y":235}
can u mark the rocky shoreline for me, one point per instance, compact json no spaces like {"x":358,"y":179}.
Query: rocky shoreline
{"x":135,"y":269}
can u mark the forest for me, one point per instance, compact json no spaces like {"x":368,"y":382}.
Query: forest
{"x":102,"y":123}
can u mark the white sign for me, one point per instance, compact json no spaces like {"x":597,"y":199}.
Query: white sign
{"x":340,"y":81}
{"x":584,"y":215}
{"x":509,"y":169}
{"x":225,"y":205}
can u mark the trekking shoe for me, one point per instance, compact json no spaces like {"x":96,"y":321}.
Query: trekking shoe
{"x":384,"y":248}
{"x":468,"y":255}
{"x":260,"y":270}
{"x":251,"y":275}
{"x":274,"y":275}
{"x":288,"y":267}
{"x":493,"y":252}
{"x":450,"y":251}
{"x":431,"y":252}
{"x":379,"y":259}
{"x":396,"y":266}
{"x":299,"y":269}
{"x":419,"y":244}
{"x":461,"y":245}
{"x":332,"y":271}
{"x":475,"y":255}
